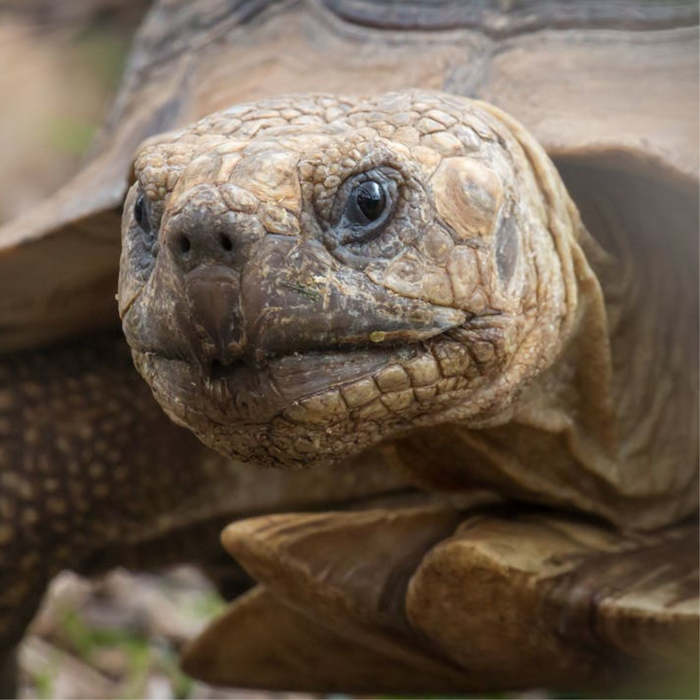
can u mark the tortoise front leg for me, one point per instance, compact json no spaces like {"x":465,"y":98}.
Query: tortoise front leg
{"x":544,"y":599}
{"x":511,"y":598}
{"x":87,"y":459}
{"x":8,"y":674}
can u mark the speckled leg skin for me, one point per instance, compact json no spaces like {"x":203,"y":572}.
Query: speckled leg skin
{"x":8,"y":674}
{"x":79,"y":437}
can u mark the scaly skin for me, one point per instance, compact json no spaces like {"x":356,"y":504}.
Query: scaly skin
{"x":79,"y":437}
{"x":282,"y":335}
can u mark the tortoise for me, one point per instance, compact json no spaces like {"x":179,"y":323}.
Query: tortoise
{"x":460,"y":332}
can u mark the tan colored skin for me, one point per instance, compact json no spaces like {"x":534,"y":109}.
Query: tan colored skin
{"x":477,"y":309}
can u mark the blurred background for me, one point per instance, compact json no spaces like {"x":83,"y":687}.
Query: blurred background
{"x":60,"y":65}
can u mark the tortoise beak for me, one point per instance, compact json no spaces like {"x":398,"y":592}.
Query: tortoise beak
{"x":217,"y":332}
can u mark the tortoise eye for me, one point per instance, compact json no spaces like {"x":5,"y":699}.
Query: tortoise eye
{"x":366,"y":203}
{"x":364,"y":206}
{"x":140,"y":213}
{"x":367,"y":210}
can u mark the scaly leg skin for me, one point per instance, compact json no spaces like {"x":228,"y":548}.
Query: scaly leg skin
{"x":8,"y":674}
{"x":83,"y":455}
{"x":93,"y":474}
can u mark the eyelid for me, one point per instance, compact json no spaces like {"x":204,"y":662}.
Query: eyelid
{"x":140,"y":209}
{"x":153,"y":209}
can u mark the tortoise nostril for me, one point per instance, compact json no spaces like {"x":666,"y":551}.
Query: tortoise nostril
{"x":226,"y":242}
{"x":196,"y":240}
{"x":184,"y":244}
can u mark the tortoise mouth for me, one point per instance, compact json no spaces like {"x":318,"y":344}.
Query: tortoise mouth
{"x":316,"y":406}
{"x":245,"y":391}
{"x":337,"y":359}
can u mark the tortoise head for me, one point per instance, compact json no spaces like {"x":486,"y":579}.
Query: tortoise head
{"x":306,"y":276}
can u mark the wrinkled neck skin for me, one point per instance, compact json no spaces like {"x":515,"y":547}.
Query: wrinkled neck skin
{"x":455,"y":322}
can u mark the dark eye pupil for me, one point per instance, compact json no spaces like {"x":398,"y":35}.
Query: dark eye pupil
{"x":371,"y":200}
{"x":140,"y":212}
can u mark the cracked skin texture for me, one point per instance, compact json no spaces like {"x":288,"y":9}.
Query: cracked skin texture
{"x":479,"y":336}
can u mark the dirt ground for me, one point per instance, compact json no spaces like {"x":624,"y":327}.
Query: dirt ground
{"x":120,"y":636}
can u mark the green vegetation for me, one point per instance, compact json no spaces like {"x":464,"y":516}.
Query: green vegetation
{"x":142,"y":657}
